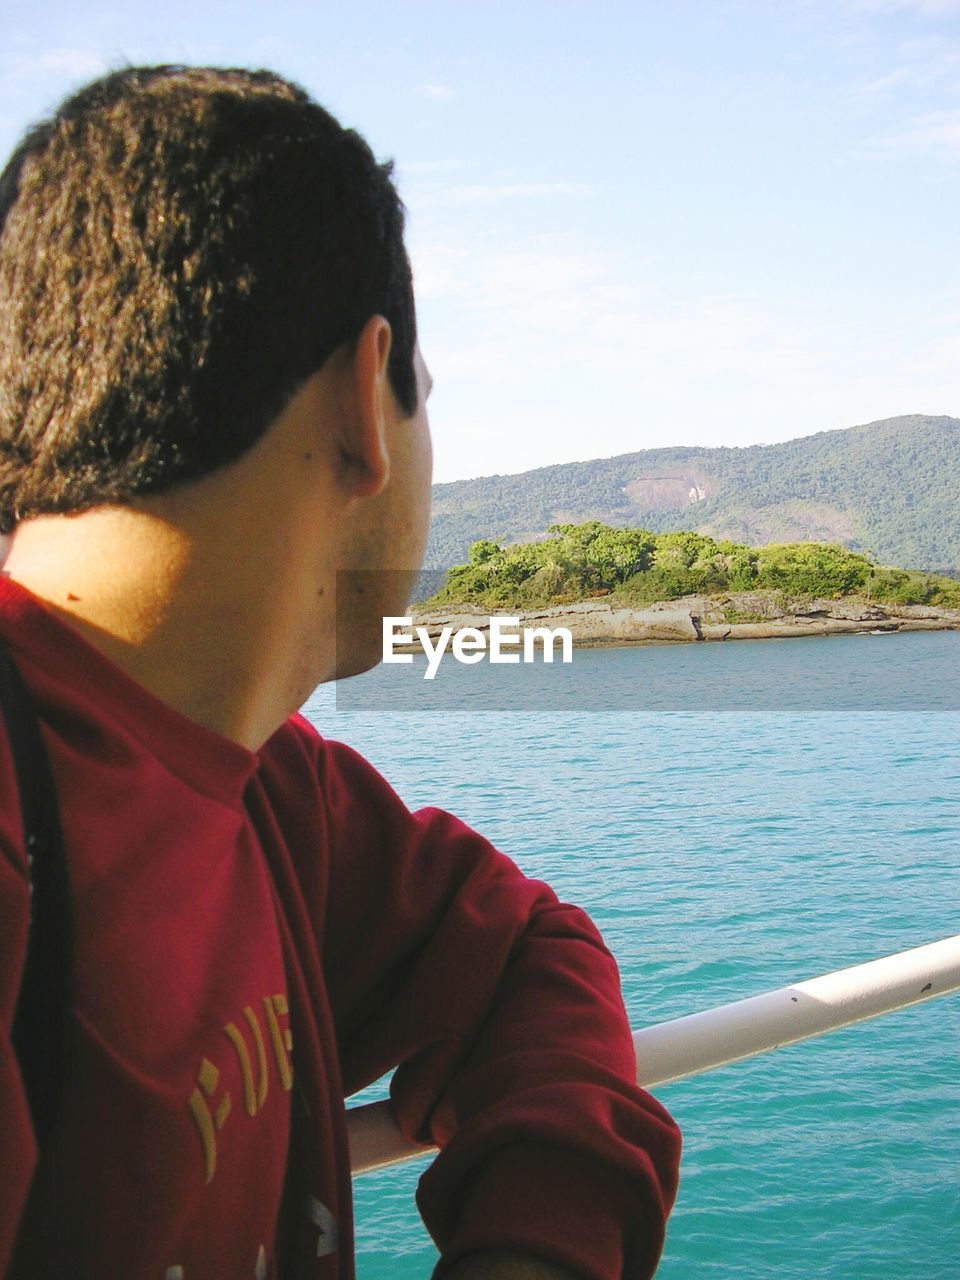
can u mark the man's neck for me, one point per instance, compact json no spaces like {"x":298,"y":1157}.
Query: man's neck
{"x":219,"y":629}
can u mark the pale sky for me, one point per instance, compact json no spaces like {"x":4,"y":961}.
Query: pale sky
{"x":699,"y":222}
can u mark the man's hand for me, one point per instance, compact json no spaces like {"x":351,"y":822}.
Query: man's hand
{"x":504,"y":1264}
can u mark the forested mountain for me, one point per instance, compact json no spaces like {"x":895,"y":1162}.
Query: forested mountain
{"x":889,"y":488}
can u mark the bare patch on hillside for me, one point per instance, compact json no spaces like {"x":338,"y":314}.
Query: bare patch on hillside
{"x":667,"y":492}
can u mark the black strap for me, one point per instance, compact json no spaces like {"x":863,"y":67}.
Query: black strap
{"x":43,"y":1007}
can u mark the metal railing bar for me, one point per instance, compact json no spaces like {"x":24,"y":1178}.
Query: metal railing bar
{"x":703,"y":1041}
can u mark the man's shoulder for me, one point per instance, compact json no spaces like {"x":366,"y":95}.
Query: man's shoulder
{"x":299,"y":748}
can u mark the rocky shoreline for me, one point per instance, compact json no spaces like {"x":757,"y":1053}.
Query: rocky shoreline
{"x":755,"y":615}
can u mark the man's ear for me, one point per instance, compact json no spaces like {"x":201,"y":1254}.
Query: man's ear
{"x":364,"y":453}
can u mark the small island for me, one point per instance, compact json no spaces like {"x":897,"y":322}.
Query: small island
{"x":616,"y":586}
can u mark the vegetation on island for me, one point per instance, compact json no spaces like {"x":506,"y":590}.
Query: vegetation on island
{"x":888,"y":489}
{"x":636,"y":567}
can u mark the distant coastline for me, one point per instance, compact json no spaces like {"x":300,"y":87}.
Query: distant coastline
{"x":600,"y":622}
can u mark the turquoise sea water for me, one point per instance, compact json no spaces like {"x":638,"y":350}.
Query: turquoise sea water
{"x":723,"y":853}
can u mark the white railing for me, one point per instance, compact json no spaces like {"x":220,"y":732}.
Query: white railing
{"x":702,"y":1041}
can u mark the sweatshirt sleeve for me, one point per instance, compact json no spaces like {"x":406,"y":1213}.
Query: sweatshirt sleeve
{"x":502,"y":1007}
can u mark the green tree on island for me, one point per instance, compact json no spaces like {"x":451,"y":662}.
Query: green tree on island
{"x":636,"y":566}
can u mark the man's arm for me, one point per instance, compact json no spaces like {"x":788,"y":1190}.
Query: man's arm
{"x":503,"y":1009}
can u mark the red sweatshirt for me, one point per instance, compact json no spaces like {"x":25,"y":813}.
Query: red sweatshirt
{"x":257,"y":936}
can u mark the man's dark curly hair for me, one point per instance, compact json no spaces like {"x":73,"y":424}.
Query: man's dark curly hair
{"x":179,"y":249}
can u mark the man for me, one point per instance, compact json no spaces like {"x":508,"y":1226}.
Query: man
{"x":214,"y":442}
